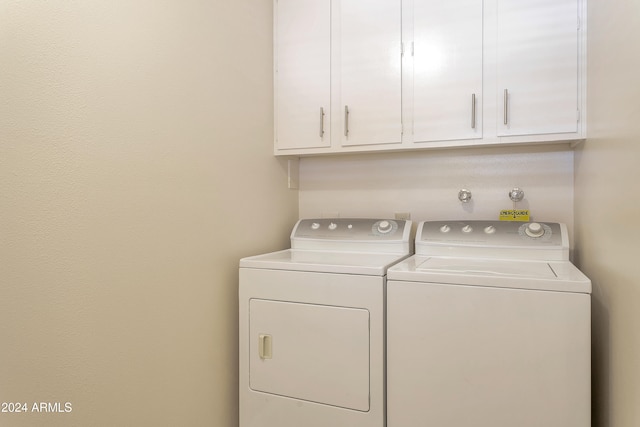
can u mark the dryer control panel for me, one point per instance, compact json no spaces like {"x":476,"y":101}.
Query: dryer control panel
{"x":351,"y":234}
{"x":493,"y":239}
{"x":349,"y":229}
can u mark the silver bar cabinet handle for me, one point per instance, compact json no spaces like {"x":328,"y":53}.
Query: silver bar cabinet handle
{"x":321,"y":122}
{"x":473,"y":111}
{"x":346,"y":120}
{"x":506,"y":106}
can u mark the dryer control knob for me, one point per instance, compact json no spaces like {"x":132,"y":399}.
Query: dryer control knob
{"x":490,"y":229}
{"x":333,"y":226}
{"x":445,"y":229}
{"x":384,"y":226}
{"x":467,"y":229}
{"x":315,"y":226}
{"x":534,"y":229}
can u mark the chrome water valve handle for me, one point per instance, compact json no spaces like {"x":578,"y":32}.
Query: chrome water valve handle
{"x":464,"y":196}
{"x":516,"y":194}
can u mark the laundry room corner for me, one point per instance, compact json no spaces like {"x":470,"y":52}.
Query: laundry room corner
{"x":606,"y":210}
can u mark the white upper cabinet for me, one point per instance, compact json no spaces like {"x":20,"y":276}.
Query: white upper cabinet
{"x":447,"y":70}
{"x":374,"y":75}
{"x":537,"y":66}
{"x":302,"y":74}
{"x":370,"y":71}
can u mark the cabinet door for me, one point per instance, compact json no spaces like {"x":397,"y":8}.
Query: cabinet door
{"x":302,"y":73}
{"x":447,"y":67}
{"x":537,"y":65}
{"x":370,"y":72}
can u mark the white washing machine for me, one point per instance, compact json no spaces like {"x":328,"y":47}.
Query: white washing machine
{"x":488,"y":325}
{"x":312,"y":325}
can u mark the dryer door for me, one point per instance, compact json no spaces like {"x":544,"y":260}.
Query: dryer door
{"x":316,"y":353}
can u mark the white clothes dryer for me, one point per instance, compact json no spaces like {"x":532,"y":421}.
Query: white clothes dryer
{"x":312,"y":325}
{"x":488,"y":325}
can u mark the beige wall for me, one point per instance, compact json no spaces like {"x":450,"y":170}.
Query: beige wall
{"x":135,"y":170}
{"x":607,"y":209}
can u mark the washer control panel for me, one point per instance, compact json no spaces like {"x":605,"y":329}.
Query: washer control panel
{"x":491,"y":233}
{"x":350,"y":229}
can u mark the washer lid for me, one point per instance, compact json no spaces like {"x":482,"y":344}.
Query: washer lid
{"x":488,"y":267}
{"x":561,"y":276}
{"x":370,"y":264}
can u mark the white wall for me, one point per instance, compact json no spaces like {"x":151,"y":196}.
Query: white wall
{"x":426,"y":183}
{"x":136,"y":168}
{"x":607,"y":209}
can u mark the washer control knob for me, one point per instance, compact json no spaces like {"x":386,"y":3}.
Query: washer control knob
{"x":445,"y":229}
{"x":333,"y":226}
{"x":467,"y":229}
{"x":384,"y":226}
{"x":490,"y":229}
{"x":534,"y":229}
{"x":315,"y":226}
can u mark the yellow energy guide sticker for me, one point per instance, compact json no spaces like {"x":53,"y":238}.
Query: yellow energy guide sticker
{"x":514,"y":215}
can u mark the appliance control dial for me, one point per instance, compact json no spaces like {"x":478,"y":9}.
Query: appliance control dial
{"x":333,"y":226}
{"x":315,"y":226}
{"x":490,"y":229}
{"x":445,"y":229}
{"x":384,"y":226}
{"x":534,"y":229}
{"x":467,"y":229}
